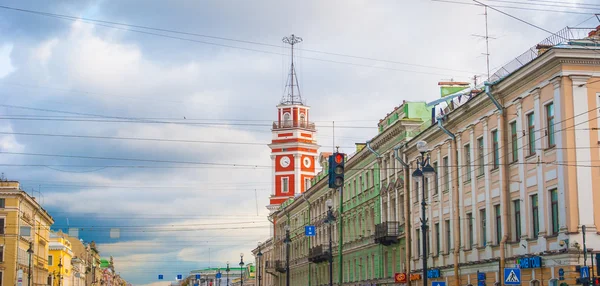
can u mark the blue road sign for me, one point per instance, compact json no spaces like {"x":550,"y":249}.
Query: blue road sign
{"x":161,"y":277}
{"x":218,"y":276}
{"x":584,"y":272}
{"x":480,"y":276}
{"x":179,"y":276}
{"x":197,"y":276}
{"x":480,"y":283}
{"x":512,"y":276}
{"x":438,"y":283}
{"x":310,"y":230}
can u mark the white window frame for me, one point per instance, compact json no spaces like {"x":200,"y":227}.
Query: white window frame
{"x":50,"y":257}
{"x":287,"y":121}
{"x":286,"y":185}
{"x":306,"y":184}
{"x":21,"y":230}
{"x":3,"y":250}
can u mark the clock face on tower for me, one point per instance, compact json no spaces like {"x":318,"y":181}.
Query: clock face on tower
{"x":284,"y":161}
{"x":306,"y":162}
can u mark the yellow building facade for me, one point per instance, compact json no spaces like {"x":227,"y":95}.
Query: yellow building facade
{"x":25,"y":231}
{"x":59,"y":259}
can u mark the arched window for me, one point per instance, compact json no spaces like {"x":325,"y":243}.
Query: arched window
{"x":302,"y":120}
{"x":553,"y":282}
{"x":287,"y":120}
{"x":534,"y":283}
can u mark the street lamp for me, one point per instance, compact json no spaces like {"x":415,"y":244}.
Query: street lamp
{"x":30,"y":251}
{"x":60,"y":272}
{"x":259,"y":269}
{"x":227,"y":270}
{"x":423,"y":172}
{"x":330,"y":220}
{"x":241,"y":269}
{"x":287,"y":255}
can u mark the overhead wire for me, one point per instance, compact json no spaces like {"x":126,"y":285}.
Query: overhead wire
{"x":514,"y":7}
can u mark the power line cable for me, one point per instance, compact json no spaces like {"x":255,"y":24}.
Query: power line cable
{"x":544,"y":5}
{"x":514,"y":7}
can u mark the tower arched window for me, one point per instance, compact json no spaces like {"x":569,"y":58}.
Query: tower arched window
{"x":287,"y":119}
{"x":302,"y":120}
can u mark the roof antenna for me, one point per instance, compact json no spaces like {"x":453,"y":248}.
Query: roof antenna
{"x":487,"y":42}
{"x":292,"y":98}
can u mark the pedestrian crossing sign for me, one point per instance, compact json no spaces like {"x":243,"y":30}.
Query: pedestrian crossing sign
{"x":512,"y":276}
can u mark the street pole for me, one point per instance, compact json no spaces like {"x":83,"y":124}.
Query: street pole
{"x":30,"y":251}
{"x":241,"y":269}
{"x":287,"y":255}
{"x":330,"y":220}
{"x":227,"y":271}
{"x":259,"y":261}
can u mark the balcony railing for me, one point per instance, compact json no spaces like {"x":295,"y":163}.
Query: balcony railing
{"x":318,"y":254}
{"x":293,"y":124}
{"x":280,"y":266}
{"x":387,"y":233}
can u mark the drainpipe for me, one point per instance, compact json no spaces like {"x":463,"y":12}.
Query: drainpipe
{"x":308,"y":203}
{"x":504,"y":171}
{"x":456,"y":203}
{"x":407,"y":221}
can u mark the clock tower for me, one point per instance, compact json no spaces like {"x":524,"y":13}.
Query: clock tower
{"x":293,"y":146}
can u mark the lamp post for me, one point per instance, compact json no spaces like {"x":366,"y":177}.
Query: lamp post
{"x":330,"y":220}
{"x":287,"y":255}
{"x":227,"y":271}
{"x":241,"y":269}
{"x":259,"y":268}
{"x":423,"y":172}
{"x":60,"y":272}
{"x":30,"y":251}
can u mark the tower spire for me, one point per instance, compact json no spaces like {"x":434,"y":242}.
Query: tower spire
{"x":292,"y":89}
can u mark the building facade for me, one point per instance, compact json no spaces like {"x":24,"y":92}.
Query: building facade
{"x":60,"y":259}
{"x":515,"y":168}
{"x":25,"y":229}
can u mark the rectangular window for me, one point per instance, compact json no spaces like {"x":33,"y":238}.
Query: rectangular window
{"x":446,"y":174}
{"x":426,"y":185}
{"x":50,"y":260}
{"x":531,"y":133}
{"x":498,"y":224}
{"x":25,"y":231}
{"x":2,"y":203}
{"x":418,"y":246}
{"x":448,"y":236}
{"x":437,"y":238}
{"x":480,"y":156}
{"x":483,"y":227}
{"x":437,"y":182}
{"x":367,"y":179}
{"x":285,"y":185}
{"x":416,"y":196}
{"x":1,"y":225}
{"x":550,"y":124}
{"x":535,"y":222}
{"x":470,"y":224}
{"x":496,"y":149}
{"x":513,"y":142}
{"x":372,"y":177}
{"x":1,"y":253}
{"x":517,"y":207}
{"x":306,"y":184}
{"x":362,"y":184}
{"x":554,"y":211}
{"x":355,"y":188}
{"x":468,"y":162}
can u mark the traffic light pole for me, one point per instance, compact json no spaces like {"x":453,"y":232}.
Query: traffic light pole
{"x":341,"y":240}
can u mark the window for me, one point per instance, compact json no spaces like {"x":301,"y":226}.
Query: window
{"x":513,"y":142}
{"x":426,"y":185}
{"x":496,"y":149}
{"x":355,"y":188}
{"x":517,"y":207}
{"x":302,"y":118}
{"x":550,"y":124}
{"x":362,"y":183}
{"x":1,"y":253}
{"x":531,"y":133}
{"x":2,"y":203}
{"x":437,"y":183}
{"x":448,"y":236}
{"x":470,"y":224}
{"x":367,"y":178}
{"x":498,"y":224}
{"x":418,"y":246}
{"x":416,"y":196}
{"x":287,"y":120}
{"x":446,"y":174}
{"x":437,"y":238}
{"x":25,"y":231}
{"x":480,"y":155}
{"x":483,"y":227}
{"x":535,"y":216}
{"x":1,"y":225}
{"x":50,"y":260}
{"x":554,"y":211}
{"x":285,"y":185}
{"x":468,"y":162}
{"x":306,"y":184}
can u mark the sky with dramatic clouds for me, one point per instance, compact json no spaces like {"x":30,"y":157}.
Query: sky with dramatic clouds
{"x":61,"y":76}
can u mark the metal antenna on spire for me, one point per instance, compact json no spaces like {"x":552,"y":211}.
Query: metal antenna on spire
{"x":291,"y":97}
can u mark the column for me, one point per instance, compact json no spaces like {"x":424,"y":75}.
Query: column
{"x":524,"y":200}
{"x":273,"y":174}
{"x":474,"y":210}
{"x":450,"y":197}
{"x":461,"y":200}
{"x":488,"y":204}
{"x":297,"y":176}
{"x":585,"y":198}
{"x":538,"y":115}
{"x":558,"y":139}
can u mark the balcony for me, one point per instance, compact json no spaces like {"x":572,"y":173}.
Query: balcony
{"x":318,"y":254}
{"x":280,"y":266}
{"x":279,"y":125}
{"x":387,"y":233}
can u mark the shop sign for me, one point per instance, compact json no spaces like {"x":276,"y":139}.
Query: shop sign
{"x":400,"y":278}
{"x":530,"y":262}
{"x":415,"y":276}
{"x":434,"y":273}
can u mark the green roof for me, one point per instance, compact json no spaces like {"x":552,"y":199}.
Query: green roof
{"x":104,"y":263}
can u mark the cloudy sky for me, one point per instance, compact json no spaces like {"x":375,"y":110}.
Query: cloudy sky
{"x":93,"y":114}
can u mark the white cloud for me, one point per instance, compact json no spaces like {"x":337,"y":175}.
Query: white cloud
{"x":6,"y":66}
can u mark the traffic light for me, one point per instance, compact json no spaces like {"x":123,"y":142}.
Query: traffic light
{"x":597,"y":257}
{"x":596,"y":281}
{"x":336,"y":170}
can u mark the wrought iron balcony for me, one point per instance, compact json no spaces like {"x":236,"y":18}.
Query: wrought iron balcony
{"x":318,"y":254}
{"x":280,"y":266}
{"x":387,"y":233}
{"x":277,"y":125}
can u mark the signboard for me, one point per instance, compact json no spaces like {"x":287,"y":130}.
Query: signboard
{"x":197,"y":276}
{"x":433,"y":273}
{"x":438,"y":283}
{"x":512,"y":276}
{"x":480,"y":278}
{"x":310,"y":230}
{"x":218,"y":276}
{"x":161,"y":277}
{"x":415,"y":276}
{"x":584,"y":272}
{"x":400,"y":278}
{"x":530,"y":262}
{"x":179,"y":276}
